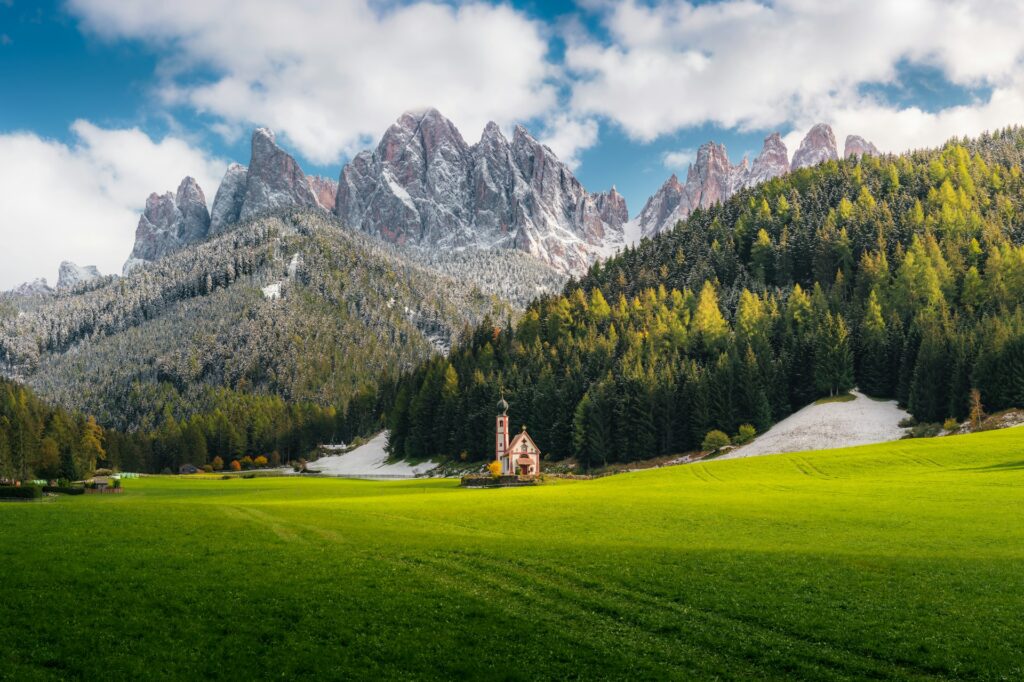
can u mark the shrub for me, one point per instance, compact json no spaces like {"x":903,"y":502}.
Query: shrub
{"x":207,"y":469}
{"x":236,"y":465}
{"x":247,"y":462}
{"x":260,"y":462}
{"x":715,"y":441}
{"x":494,"y":468}
{"x":924,"y":430}
{"x":217,"y":464}
{"x":745,"y":435}
{"x":25,"y":492}
{"x":950,"y":424}
{"x":907,"y":422}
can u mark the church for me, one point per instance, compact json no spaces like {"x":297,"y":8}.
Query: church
{"x":521,"y":456}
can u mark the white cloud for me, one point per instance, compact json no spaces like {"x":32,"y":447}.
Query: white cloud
{"x":679,"y":159}
{"x":672,"y":65}
{"x":568,"y":136}
{"x":331,"y":76}
{"x":81,"y":202}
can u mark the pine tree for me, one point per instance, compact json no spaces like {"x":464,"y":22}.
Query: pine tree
{"x":833,"y":357}
{"x":874,"y":377}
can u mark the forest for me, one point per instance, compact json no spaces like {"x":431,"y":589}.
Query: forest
{"x":902,"y":276}
{"x":41,"y":441}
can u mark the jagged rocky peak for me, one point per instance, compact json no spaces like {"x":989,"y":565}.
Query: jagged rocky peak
{"x":772,"y":162}
{"x":169,"y":222}
{"x":325,"y":190}
{"x":856,"y":147}
{"x":71,"y":275}
{"x":227,"y":205}
{"x":611,"y":207}
{"x":711,"y":179}
{"x":274,"y":179}
{"x":818,"y":146}
{"x":656,"y":215}
{"x":425,"y":186}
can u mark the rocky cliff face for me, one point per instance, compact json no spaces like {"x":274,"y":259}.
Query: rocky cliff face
{"x":227,"y":205}
{"x":170,"y":222}
{"x":710,"y":179}
{"x":425,"y":186}
{"x":274,"y":179}
{"x":325,"y":190}
{"x":71,"y":275}
{"x":818,"y":146}
{"x":856,"y":147}
{"x":772,"y":162}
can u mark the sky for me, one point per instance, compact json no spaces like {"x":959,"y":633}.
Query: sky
{"x":104,"y":101}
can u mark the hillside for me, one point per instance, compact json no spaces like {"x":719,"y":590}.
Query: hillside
{"x":894,"y":561}
{"x":289,"y":305}
{"x":900,"y":275}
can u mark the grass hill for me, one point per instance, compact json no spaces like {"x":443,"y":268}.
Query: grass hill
{"x":896,"y":561}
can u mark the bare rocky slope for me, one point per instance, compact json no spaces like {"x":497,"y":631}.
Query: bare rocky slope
{"x":426,"y":187}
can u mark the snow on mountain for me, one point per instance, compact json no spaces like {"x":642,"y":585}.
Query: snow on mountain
{"x":35,"y":288}
{"x":426,"y":187}
{"x":72,"y":275}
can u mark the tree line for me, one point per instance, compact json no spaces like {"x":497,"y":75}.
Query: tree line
{"x":38,"y":440}
{"x":900,"y":275}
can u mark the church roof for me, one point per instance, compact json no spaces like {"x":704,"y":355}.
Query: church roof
{"x":519,"y":438}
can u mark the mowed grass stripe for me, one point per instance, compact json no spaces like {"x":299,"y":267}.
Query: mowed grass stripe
{"x":896,"y":561}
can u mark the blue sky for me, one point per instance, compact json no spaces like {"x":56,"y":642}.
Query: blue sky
{"x":104,"y":101}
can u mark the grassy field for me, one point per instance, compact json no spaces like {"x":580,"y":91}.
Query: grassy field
{"x":903,"y":560}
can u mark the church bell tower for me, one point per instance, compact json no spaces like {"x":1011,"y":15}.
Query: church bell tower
{"x":501,"y":435}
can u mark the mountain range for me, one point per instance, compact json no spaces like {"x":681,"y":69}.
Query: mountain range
{"x":423,"y":187}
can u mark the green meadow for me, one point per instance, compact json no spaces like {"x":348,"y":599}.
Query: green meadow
{"x":897,"y":561}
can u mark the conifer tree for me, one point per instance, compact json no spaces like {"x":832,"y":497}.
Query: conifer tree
{"x":874,"y":377}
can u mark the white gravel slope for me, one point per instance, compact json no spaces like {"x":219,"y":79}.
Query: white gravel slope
{"x":368,"y":460}
{"x":830,"y":425}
